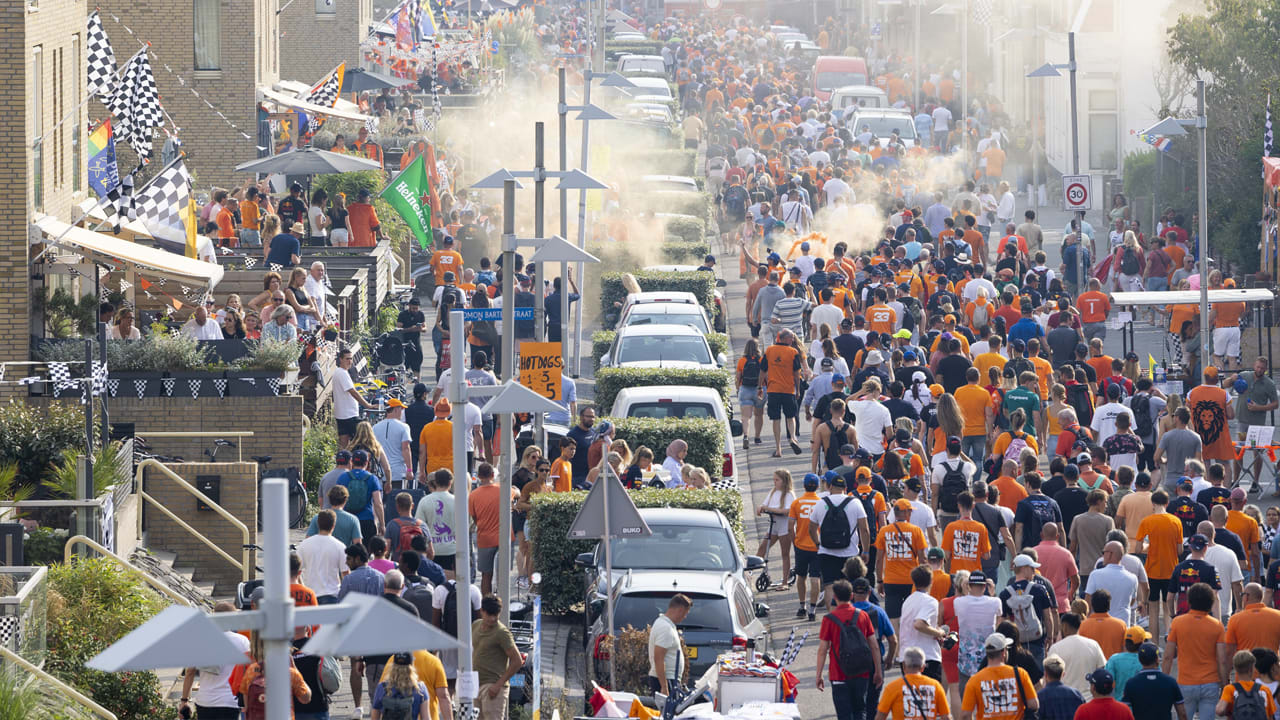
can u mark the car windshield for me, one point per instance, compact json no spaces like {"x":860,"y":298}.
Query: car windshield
{"x":660,"y":90}
{"x":672,"y":185}
{"x":640,"y":609}
{"x":652,"y":348}
{"x":831,"y":80}
{"x":883,"y":126}
{"x":662,"y":410}
{"x":676,"y":547}
{"x":653,"y":65}
{"x":694,"y":320}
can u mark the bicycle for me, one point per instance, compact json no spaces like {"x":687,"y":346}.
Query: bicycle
{"x":296,"y":507}
{"x":245,"y":588}
{"x":218,"y":444}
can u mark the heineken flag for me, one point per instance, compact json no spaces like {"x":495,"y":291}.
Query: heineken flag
{"x":405,"y":194}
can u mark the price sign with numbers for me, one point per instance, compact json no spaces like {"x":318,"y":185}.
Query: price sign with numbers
{"x":540,"y":368}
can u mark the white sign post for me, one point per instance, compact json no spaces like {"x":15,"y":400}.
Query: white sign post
{"x":1076,"y":193}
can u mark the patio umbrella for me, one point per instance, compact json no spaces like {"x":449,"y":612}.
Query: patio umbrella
{"x":308,"y":161}
{"x":360,"y":80}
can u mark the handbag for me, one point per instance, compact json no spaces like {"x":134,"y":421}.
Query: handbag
{"x":915,"y":699}
{"x":1027,"y":712}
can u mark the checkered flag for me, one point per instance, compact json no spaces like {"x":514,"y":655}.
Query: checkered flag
{"x":195,"y":387}
{"x":100,"y":373}
{"x":136,"y":105}
{"x":113,"y":387}
{"x":168,"y":386}
{"x":60,"y":376}
{"x":221,"y":384}
{"x":372,"y":124}
{"x":31,"y":380}
{"x":325,"y":94}
{"x":274,"y":383}
{"x":276,"y":267}
{"x":249,"y":262}
{"x":102,"y":60}
{"x":141,"y":387}
{"x":161,"y":203}
{"x":982,"y":10}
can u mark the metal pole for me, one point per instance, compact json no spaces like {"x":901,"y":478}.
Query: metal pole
{"x":915,"y":54}
{"x":1202,"y":172}
{"x":87,"y":389}
{"x":1081,"y":280}
{"x":462,"y":486}
{"x":509,"y":365}
{"x":582,"y":225}
{"x":277,"y":603}
{"x":1035,"y":155}
{"x":608,"y":564}
{"x":964,"y":82}
{"x":564,"y":224}
{"x":539,"y":229}
{"x":102,"y":399}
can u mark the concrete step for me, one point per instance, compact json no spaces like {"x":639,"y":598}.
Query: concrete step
{"x":160,"y":565}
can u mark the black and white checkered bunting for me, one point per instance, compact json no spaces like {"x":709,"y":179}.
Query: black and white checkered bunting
{"x":194,"y":383}
{"x":168,"y":386}
{"x":141,"y":387}
{"x":99,"y":376}
{"x":136,"y":105}
{"x":102,"y":59}
{"x":221,"y":384}
{"x":274,"y":384}
{"x":113,"y":387}
{"x":60,"y":376}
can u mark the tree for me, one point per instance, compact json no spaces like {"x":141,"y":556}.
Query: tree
{"x":1235,"y":47}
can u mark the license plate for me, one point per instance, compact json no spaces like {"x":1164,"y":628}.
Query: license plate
{"x":691,"y":653}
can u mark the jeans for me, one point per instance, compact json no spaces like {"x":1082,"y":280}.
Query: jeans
{"x":1036,"y":648}
{"x":975,"y":446}
{"x":326,"y":599}
{"x":1157,"y":284}
{"x":1201,"y":699}
{"x":849,"y":698}
{"x":312,"y":716}
{"x":873,"y":700}
{"x":1095,"y":330}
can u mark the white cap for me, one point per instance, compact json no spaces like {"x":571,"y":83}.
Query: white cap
{"x":1023,"y":560}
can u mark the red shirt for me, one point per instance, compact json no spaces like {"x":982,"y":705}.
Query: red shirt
{"x":1010,"y":314}
{"x":830,"y":632}
{"x":1104,"y":708}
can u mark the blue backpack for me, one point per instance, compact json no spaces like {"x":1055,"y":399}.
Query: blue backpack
{"x":360,"y":487}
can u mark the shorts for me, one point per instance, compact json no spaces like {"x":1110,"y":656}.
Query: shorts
{"x":894,"y":596}
{"x":250,"y":238}
{"x":1157,"y":284}
{"x":832,"y":568}
{"x":339,"y":237}
{"x":933,"y":669}
{"x":444,"y":561}
{"x":486,"y":558}
{"x":780,"y":404}
{"x":517,"y":522}
{"x":347,"y":426}
{"x":1159,"y":588}
{"x":1226,"y":342}
{"x":807,"y":563}
{"x":749,"y":397}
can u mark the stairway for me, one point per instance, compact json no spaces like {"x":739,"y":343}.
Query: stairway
{"x":162,"y":566}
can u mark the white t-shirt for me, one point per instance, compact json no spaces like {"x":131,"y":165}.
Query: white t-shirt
{"x":215,"y":681}
{"x":941,"y":119}
{"x":1104,"y":420}
{"x":977,"y":614}
{"x":834,"y":188}
{"x":829,"y":314}
{"x":779,"y":524}
{"x":391,"y":434}
{"x":664,"y":634}
{"x":919,"y":606}
{"x":1121,"y":584}
{"x":1228,"y":566}
{"x":436,"y":512}
{"x":471,"y":419}
{"x":922,"y":516}
{"x":872,"y":419}
{"x":211,"y":330}
{"x":344,"y":406}
{"x":854,"y":511}
{"x":314,"y":215}
{"x":805,"y":263}
{"x":324,"y":559}
{"x":940,"y":472}
{"x":1081,"y":656}
{"x":205,"y":250}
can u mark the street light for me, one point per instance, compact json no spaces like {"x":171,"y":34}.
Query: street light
{"x":1049,"y":70}
{"x":1174,"y":127}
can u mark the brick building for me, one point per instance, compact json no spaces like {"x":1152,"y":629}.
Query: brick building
{"x":316,"y":35}
{"x":43,"y":70}
{"x":222,"y":49}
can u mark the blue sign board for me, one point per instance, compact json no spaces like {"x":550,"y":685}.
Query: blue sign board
{"x":495,"y":314}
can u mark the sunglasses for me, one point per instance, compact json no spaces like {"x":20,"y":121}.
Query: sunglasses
{"x":274,"y":299}
{"x":544,"y":469}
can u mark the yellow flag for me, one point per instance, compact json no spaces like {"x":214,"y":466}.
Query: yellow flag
{"x":189,"y":219}
{"x":1151,"y":367}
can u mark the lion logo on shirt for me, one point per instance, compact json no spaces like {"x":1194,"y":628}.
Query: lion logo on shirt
{"x":1210,"y":419}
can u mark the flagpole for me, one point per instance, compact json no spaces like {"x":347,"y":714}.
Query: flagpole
{"x":88,"y":96}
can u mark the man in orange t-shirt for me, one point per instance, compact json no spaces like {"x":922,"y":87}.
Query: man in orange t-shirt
{"x":806,"y":551}
{"x":446,"y":259}
{"x":880,"y":317}
{"x":1094,"y":306}
{"x":484,"y":507}
{"x":900,"y":549}
{"x":561,"y":476}
{"x":1211,"y":415}
{"x":965,"y":540}
{"x":227,"y":224}
{"x":1099,"y":361}
{"x":1162,"y":533}
{"x":781,"y":363}
{"x":1101,"y":626}
{"x":1194,"y":639}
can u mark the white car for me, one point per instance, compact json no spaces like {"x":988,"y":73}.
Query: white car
{"x":865,"y":96}
{"x":654,"y":86}
{"x":678,"y":183}
{"x":661,"y":346}
{"x":719,"y":319}
{"x":682,"y":401}
{"x":883,"y":123}
{"x":666,"y":314}
{"x":630,"y":64}
{"x":659,"y":112}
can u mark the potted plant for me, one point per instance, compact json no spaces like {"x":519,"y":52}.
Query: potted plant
{"x":131,"y":369}
{"x":188,"y":365}
{"x":266,"y":360}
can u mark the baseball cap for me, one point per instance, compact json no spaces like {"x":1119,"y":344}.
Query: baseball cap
{"x":902,"y":437}
{"x":953,"y":444}
{"x":395,"y":403}
{"x":1197,"y":542}
{"x":414,"y":301}
{"x":1024,"y":560}
{"x":1102,"y":679}
{"x":949,"y":318}
{"x":936,"y":390}
{"x":774,"y":258}
{"x":450,"y":277}
{"x":914,"y":484}
{"x":360,"y":457}
{"x":861,"y":586}
{"x":846,"y":323}
{"x":402,"y":658}
{"x":804,"y":245}
{"x":1238,"y":494}
{"x":1071,"y":471}
{"x":1211,"y":371}
{"x":902,"y":504}
{"x":903,"y":334}
{"x":811,"y":481}
{"x":1136,"y":635}
{"x":837,"y":378}
{"x":827,"y":362}
{"x":1185,"y":482}
{"x":1113,"y":391}
{"x":448,"y":240}
{"x":848,"y":450}
{"x":342,"y":456}
{"x":994,"y":641}
{"x":828,"y":475}
{"x":1018,"y":345}
{"x":1083,"y":458}
{"x":861,"y":454}
{"x":1148,"y":653}
{"x":836,"y":482}
{"x":909,"y":355}
{"x":976,"y":578}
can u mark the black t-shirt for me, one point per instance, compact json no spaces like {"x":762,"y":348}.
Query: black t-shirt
{"x":1033,"y":512}
{"x":291,"y":210}
{"x":1071,"y":502}
{"x":1272,"y":581}
{"x":951,"y":371}
{"x":1189,"y":512}
{"x":309,"y":667}
{"x":1023,"y":659}
{"x":1188,"y":573}
{"x":1089,"y":372}
{"x":900,"y":408}
{"x":991,"y":517}
{"x":1054,"y":485}
{"x":1039,"y":595}
{"x":1231,"y":541}
{"x":1151,"y":695}
{"x":1062,"y":342}
{"x":822,"y":409}
{"x":848,"y":345}
{"x":1211,"y":496}
{"x":409,"y":318}
{"x":904,"y":373}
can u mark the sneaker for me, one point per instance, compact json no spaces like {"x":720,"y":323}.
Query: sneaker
{"x":357,"y":714}
{"x":812,"y":617}
{"x":800,"y":613}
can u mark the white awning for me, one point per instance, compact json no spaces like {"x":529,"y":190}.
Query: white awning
{"x":94,"y":213}
{"x":298,"y":104}
{"x":110,"y":250}
{"x":1192,"y":297}
{"x":297,"y":88}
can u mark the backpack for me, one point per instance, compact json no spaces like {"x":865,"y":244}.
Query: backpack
{"x":420,"y":595}
{"x":835,"y":532}
{"x":1129,"y":262}
{"x":330,"y":675}
{"x":1111,"y":380}
{"x":396,"y":706}
{"x":953,"y":483}
{"x":449,"y":614}
{"x":359,"y":491}
{"x":255,"y":699}
{"x":868,"y":501}
{"x":408,"y":531}
{"x":1078,"y":399}
{"x":735,"y":202}
{"x":1044,"y":278}
{"x":854,"y":656}
{"x":1024,"y":614}
{"x":751,"y":373}
{"x":1141,"y":407}
{"x":1249,"y":704}
{"x":1017,"y":444}
{"x":981,"y":314}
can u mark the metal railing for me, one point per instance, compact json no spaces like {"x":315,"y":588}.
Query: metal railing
{"x":220,"y":435}
{"x":57,"y":685}
{"x":244,"y":565}
{"x":67,"y":553}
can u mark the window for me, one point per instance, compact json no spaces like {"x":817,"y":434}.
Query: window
{"x":59,"y":132}
{"x":37,"y":126}
{"x":325,"y":7}
{"x":1104,"y":130}
{"x":75,"y":124}
{"x":208,"y":34}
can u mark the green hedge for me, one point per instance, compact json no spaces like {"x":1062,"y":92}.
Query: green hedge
{"x":685,"y":229}
{"x":609,"y":381}
{"x":645,"y":47}
{"x":701,"y":284}
{"x":697,"y":204}
{"x":563,"y":586}
{"x":680,"y":252}
{"x":602,"y":340}
{"x":704,"y":435}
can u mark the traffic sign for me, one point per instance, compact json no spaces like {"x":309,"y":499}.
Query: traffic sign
{"x":1076,"y":193}
{"x":495,"y":314}
{"x":875,"y":31}
{"x":541,"y":366}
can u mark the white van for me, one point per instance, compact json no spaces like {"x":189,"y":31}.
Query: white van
{"x":681,"y":401}
{"x":867,"y":96}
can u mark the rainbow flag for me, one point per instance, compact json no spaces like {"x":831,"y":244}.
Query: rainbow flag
{"x":1159,"y":142}
{"x":104,"y":173}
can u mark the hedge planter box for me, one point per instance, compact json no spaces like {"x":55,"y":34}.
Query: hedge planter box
{"x":135,"y":384}
{"x":260,"y":383}
{"x":195,"y":384}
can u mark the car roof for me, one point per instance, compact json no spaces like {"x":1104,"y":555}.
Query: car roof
{"x":677,"y":392}
{"x":639,"y":57}
{"x":667,"y":308}
{"x":659,"y":329}
{"x":683,"y":179}
{"x":882,"y":112}
{"x":705,"y":582}
{"x":662,"y":295}
{"x":651,"y":82}
{"x":860,"y":90}
{"x":682,"y":516}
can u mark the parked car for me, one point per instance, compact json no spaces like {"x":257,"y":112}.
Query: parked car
{"x":676,"y":183}
{"x":666,"y":314}
{"x":683,"y":401}
{"x":720,"y":321}
{"x":836,"y":71}
{"x":883,"y":123}
{"x":865,"y":96}
{"x":662,"y":346}
{"x":649,"y":86}
{"x":632,"y":64}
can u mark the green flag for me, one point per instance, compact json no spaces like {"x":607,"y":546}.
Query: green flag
{"x":405,"y":195}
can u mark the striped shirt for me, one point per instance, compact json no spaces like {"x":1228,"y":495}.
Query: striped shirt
{"x":789,"y":313}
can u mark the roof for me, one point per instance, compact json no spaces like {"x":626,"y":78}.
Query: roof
{"x":662,"y":295}
{"x":1191,"y":297}
{"x":299,"y":104}
{"x":659,"y":329}
{"x":681,"y":516}
{"x":110,"y":250}
{"x":707,"y":582}
{"x":859,"y":90}
{"x":676,"y":392}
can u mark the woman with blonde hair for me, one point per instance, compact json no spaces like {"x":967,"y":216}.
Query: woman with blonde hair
{"x":777,"y":507}
{"x":824,"y":333}
{"x":624,"y":451}
{"x":364,"y":439}
{"x":402,"y":694}
{"x":1057,"y":403}
{"x":298,"y":299}
{"x":1132,"y":369}
{"x":1127,"y":264}
{"x":271,"y":283}
{"x":698,"y":479}
{"x":615,"y":462}
{"x":950,"y":422}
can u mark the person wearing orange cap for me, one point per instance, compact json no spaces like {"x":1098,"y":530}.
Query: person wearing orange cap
{"x":900,"y":548}
{"x":435,"y":442}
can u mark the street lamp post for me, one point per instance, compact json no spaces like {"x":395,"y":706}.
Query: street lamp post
{"x":1051,"y":70}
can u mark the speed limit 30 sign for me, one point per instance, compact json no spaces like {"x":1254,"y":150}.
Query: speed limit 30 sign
{"x":1075,"y":192}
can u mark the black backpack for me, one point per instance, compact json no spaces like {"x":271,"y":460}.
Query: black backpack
{"x":1078,"y":399}
{"x":751,"y":373}
{"x":1141,"y":407}
{"x":449,"y":615}
{"x":868,"y":501}
{"x":1248,"y":705}
{"x":1129,"y":262}
{"x":835,"y":533}
{"x":953,"y":483}
{"x":854,"y":656}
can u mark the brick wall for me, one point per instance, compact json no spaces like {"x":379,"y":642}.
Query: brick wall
{"x":238,"y":496}
{"x":312,"y":43}
{"x":250,"y":57}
